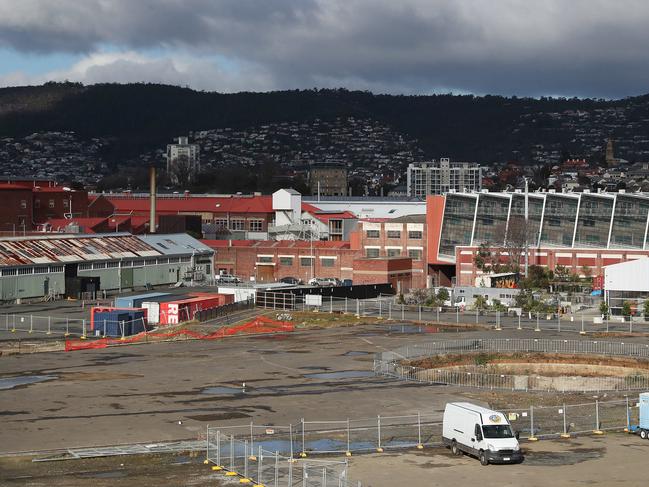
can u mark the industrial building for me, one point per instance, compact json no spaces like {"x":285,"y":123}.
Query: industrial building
{"x":627,"y":281}
{"x":40,"y":266}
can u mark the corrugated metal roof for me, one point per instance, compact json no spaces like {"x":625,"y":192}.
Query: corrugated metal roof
{"x":175,"y":244}
{"x":17,"y":251}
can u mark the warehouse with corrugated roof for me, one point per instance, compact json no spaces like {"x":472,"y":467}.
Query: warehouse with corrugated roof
{"x":50,"y":265}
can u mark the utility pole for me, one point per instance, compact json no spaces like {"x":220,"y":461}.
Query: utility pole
{"x":527,"y":250}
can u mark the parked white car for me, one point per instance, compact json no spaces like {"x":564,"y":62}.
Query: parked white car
{"x":324,"y":281}
{"x":481,"y":432}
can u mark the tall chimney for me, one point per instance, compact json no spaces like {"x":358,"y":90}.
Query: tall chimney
{"x":152,"y":197}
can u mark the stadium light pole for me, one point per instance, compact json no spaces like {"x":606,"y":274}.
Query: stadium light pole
{"x":527,"y":250}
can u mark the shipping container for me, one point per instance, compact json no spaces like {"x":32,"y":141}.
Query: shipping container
{"x":136,"y":300}
{"x":174,"y":312}
{"x":100,"y":315}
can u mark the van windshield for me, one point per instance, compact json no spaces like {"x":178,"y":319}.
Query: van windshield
{"x":497,"y":431}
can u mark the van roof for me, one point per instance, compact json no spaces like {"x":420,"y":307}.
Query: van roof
{"x":475,"y":408}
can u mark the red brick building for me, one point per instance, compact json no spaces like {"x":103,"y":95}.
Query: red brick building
{"x":400,"y":237}
{"x":395,"y":270}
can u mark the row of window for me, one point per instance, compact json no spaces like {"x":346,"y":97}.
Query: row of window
{"x":304,"y":261}
{"x":412,"y":234}
{"x":24,"y":271}
{"x":86,"y":266}
{"x":240,"y":224}
{"x":374,"y":253}
{"x":37,"y":204}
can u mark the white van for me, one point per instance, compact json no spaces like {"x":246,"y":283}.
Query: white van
{"x":480,"y":432}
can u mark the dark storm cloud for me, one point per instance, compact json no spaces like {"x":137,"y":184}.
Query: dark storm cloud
{"x":556,"y":47}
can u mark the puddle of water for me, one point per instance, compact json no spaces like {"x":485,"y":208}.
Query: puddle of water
{"x":343,"y":374}
{"x":11,"y":382}
{"x":113,"y":474}
{"x":413,"y":329}
{"x":355,"y":353}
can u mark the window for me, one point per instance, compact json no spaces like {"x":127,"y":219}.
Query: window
{"x":394,"y":252}
{"x":126,"y":263}
{"x":182,"y":259}
{"x":256,"y":225}
{"x":23,"y":204}
{"x":150,"y":262}
{"x":65,"y":203}
{"x":414,"y":254}
{"x":237,"y":224}
{"x":286,"y":261}
{"x":264,"y":259}
{"x":112,"y":265}
{"x":372,"y":234}
{"x":415,"y":235}
{"x":138,"y":263}
{"x":50,"y":204}
{"x":306,"y":261}
{"x":9,"y":272}
{"x":327,"y":262}
{"x":56,"y":268}
{"x":371,"y":253}
{"x":162,"y":260}
{"x":99,"y":265}
{"x":37,"y":203}
{"x":221,"y":222}
{"x":41,"y":270}
{"x":25,"y":270}
{"x":394,"y":234}
{"x":85,"y":267}
{"x":174,"y":260}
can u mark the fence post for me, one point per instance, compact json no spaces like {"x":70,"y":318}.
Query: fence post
{"x":218,"y":448}
{"x":498,"y":328}
{"x":245,"y":458}
{"x":83,"y":329}
{"x":358,"y":308}
{"x":420,"y":313}
{"x":49,"y":325}
{"x":232,"y":453}
{"x":303,"y":454}
{"x":378,"y":424}
{"x":123,"y":330}
{"x":331,"y":304}
{"x":437,"y":309}
{"x":565,"y":433}
{"x":345,"y":304}
{"x":419,"y":443}
{"x":630,"y":324}
{"x":477,"y":316}
{"x":260,"y":459}
{"x":582,"y":332}
{"x":252,"y":442}
{"x":628,"y":416}
{"x":276,"y":468}
{"x":67,"y":327}
{"x":207,"y":445}
{"x":558,"y":321}
{"x":290,"y":438}
{"x":457,"y":314}
{"x":403,"y":311}
{"x":532,"y":435}
{"x":537,"y":322}
{"x":380,"y":307}
{"x":349,"y":451}
{"x":597,"y":430}
{"x":31,"y":323}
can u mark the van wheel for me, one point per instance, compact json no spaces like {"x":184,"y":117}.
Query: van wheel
{"x":454,"y":449}
{"x":483,"y":458}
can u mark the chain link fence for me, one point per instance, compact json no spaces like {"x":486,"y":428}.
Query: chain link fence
{"x":391,"y":364}
{"x":44,"y":325}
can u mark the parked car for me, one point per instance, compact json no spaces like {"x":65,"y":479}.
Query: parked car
{"x":481,"y":432}
{"x":291,"y":280}
{"x":227,"y":279}
{"x":324,"y":281}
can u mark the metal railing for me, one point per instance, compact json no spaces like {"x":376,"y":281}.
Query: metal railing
{"x":391,"y":364}
{"x":47,"y":325}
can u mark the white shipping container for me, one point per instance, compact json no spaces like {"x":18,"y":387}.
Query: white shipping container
{"x":153,"y":308}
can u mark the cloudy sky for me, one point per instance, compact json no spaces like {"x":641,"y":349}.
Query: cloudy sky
{"x":513,"y":47}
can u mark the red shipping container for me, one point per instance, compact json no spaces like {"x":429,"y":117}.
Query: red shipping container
{"x":174,"y":312}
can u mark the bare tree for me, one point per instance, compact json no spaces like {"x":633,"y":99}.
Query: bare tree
{"x":181,"y":171}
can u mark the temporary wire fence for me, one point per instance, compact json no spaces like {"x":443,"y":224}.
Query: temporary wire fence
{"x":392,"y":364}
{"x":252,"y":462}
{"x":44,"y":325}
{"x":306,"y":438}
{"x":387,"y":307}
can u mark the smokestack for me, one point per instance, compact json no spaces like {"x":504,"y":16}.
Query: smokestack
{"x":152,"y":199}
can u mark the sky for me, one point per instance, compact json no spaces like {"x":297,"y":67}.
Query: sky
{"x":584,"y":48}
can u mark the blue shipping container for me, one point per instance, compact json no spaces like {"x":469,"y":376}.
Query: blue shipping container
{"x":136,"y":300}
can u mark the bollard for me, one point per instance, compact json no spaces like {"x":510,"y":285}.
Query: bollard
{"x":437,"y":314}
{"x":378,"y":424}
{"x":403,"y":311}
{"x":582,"y":332}
{"x":597,"y":430}
{"x":533,"y":436}
{"x":477,"y":316}
{"x":67,"y":327}
{"x":537,"y":322}
{"x":389,"y":310}
{"x":519,"y":320}
{"x":83,"y":329}
{"x":358,"y":308}
{"x":558,"y":322}
{"x":331,"y":304}
{"x":420,"y":313}
{"x":457,"y":314}
{"x":123,"y":330}
{"x":420,"y":446}
{"x":345,"y":304}
{"x":31,"y":323}
{"x":380,"y":308}
{"x":630,"y":324}
{"x":49,"y":325}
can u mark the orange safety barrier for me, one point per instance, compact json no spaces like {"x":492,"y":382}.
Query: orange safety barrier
{"x":261,"y":324}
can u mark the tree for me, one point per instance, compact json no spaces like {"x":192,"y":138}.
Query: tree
{"x":626,"y":308}
{"x":480,"y":303}
{"x":603,"y":309}
{"x":181,"y":171}
{"x":442,"y":295}
{"x":646,"y":308}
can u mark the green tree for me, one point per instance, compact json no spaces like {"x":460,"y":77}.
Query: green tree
{"x":626,"y":308}
{"x":497,"y":305}
{"x":603,"y":309}
{"x":646,"y":308}
{"x":480,"y":303}
{"x":442,"y":295}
